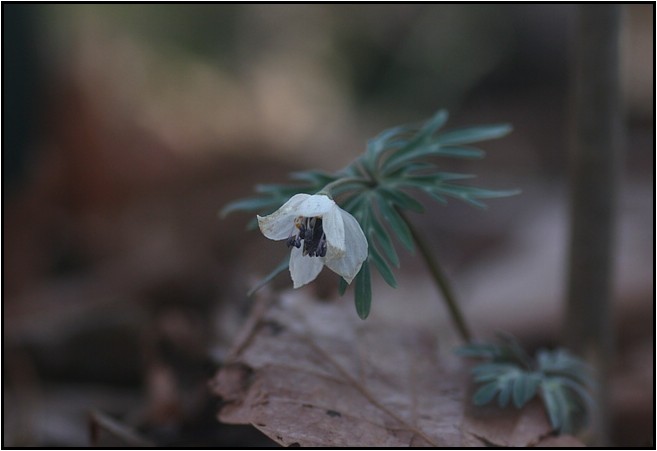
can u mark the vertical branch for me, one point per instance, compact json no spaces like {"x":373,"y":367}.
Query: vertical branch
{"x":594,"y":166}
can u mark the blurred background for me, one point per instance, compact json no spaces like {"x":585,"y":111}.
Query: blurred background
{"x":127,"y":127}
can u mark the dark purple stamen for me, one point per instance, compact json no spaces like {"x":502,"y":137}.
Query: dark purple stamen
{"x":312,"y":234}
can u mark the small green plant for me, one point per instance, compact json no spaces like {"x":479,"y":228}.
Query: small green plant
{"x":376,"y":189}
{"x":562,"y":381}
{"x":347,"y":220}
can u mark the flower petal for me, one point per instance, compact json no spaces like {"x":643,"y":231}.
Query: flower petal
{"x":304,"y":269}
{"x":315,"y":205}
{"x":333,"y":225}
{"x":348,"y":264}
{"x":279,"y":224}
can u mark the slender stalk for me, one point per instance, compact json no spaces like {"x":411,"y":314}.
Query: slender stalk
{"x":442,"y":282}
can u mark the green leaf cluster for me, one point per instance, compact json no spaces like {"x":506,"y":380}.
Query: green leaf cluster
{"x":381,"y":185}
{"x":270,"y":197}
{"x":562,"y":381}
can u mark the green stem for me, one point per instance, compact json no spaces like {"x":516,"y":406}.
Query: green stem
{"x":442,"y":282}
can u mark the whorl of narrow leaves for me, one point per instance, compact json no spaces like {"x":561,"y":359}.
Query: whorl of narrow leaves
{"x":378,"y":186}
{"x":562,"y":381}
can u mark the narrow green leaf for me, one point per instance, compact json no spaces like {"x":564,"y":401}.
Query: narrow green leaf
{"x":552,"y":406}
{"x":485,"y":394}
{"x":529,"y":388}
{"x":496,"y":369}
{"x":411,"y":169}
{"x":282,"y":266}
{"x":482,"y":193}
{"x":382,"y":267}
{"x":363,"y":291}
{"x":579,"y":391}
{"x":485,"y":377}
{"x":354,"y":203}
{"x":471,"y":194}
{"x":379,"y":231}
{"x":437,"y":197}
{"x":382,"y":141}
{"x":519,"y":390}
{"x":399,"y":160}
{"x":524,"y":388}
{"x":565,"y":409}
{"x":418,"y":141}
{"x":348,"y":171}
{"x":342,"y":286}
{"x":474,"y":134}
{"x":560,"y":362}
{"x":396,"y":222}
{"x":533,"y":382}
{"x":401,"y":199}
{"x":432,"y":125}
{"x":455,"y":151}
{"x":506,"y":386}
{"x":354,"y":186}
{"x":430,"y":180}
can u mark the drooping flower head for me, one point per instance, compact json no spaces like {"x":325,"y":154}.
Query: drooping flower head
{"x":319,"y":233}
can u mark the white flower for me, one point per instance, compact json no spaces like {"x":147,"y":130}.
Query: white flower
{"x":320,"y":233}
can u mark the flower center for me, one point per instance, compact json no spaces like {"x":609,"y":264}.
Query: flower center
{"x":310,"y":231}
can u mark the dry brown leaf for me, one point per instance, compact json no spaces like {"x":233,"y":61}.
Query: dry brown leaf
{"x":311,"y":373}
